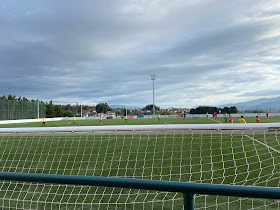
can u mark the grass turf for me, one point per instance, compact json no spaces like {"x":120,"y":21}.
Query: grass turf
{"x":64,"y":123}
{"x":198,"y":158}
{"x":207,"y":158}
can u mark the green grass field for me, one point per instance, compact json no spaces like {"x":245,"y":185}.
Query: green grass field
{"x":220,"y":158}
{"x":64,"y":123}
{"x":207,"y":158}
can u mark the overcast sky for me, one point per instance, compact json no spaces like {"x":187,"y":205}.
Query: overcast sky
{"x":203,"y":52}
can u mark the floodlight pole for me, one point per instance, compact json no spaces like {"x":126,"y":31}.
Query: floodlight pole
{"x":153,"y":78}
{"x":38,"y":109}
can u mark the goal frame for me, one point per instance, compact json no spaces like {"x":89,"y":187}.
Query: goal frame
{"x":139,"y":128}
{"x":188,"y":189}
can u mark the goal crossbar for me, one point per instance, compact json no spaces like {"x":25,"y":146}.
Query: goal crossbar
{"x":170,"y":127}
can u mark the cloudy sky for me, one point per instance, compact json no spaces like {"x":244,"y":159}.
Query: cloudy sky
{"x":203,"y":52}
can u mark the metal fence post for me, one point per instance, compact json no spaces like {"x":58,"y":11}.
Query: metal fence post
{"x":188,"y":201}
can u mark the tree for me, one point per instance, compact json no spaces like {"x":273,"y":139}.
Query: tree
{"x":150,"y":107}
{"x":50,"y":110}
{"x":3,"y":97}
{"x":192,"y":111}
{"x":68,"y":114}
{"x":201,"y":110}
{"x":233,"y":109}
{"x":103,"y":108}
{"x":226,"y":110}
{"x":10,"y":97}
{"x":204,"y":109}
{"x":211,"y":110}
{"x":58,"y":111}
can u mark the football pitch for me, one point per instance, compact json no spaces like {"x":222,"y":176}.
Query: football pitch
{"x":64,"y":123}
{"x":190,"y":157}
{"x":216,"y":157}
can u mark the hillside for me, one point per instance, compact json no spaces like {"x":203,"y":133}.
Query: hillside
{"x":265,"y":104}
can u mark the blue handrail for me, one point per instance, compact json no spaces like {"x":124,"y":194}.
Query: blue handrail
{"x":187,"y":188}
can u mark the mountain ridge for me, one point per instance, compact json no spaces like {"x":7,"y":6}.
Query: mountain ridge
{"x":266,"y":104}
{"x":124,"y":106}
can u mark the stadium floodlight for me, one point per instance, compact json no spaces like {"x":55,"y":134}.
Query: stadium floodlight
{"x":153,"y":78}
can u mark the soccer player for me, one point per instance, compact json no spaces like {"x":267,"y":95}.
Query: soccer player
{"x":158,"y":117}
{"x":215,"y":115}
{"x":125,"y":118}
{"x":184,"y":115}
{"x":100,"y":119}
{"x":207,"y":115}
{"x":267,"y":117}
{"x":257,"y":119}
{"x":225,"y":117}
{"x":44,"y":122}
{"x":74,"y":120}
{"x":230,"y":118}
{"x":242,"y":120}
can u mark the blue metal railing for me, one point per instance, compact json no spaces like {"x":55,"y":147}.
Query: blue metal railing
{"x":188,"y":189}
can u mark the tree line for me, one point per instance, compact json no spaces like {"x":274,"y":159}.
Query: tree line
{"x":212,"y":109}
{"x":14,"y":98}
{"x":69,"y":110}
{"x":66,"y":110}
{"x":52,"y":110}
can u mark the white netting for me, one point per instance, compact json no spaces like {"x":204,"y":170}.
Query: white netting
{"x":237,"y":157}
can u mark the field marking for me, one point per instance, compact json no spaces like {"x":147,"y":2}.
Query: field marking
{"x":218,"y":121}
{"x":263,"y":144}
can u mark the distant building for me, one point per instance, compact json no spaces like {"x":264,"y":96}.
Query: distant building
{"x":110,"y":115}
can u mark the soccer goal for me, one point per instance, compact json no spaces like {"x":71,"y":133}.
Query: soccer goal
{"x":219,"y":155}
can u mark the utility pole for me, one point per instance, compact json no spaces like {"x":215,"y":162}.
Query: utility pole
{"x":38,"y":109}
{"x":153,"y":78}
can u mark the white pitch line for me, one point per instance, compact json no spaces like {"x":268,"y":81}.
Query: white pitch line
{"x":218,"y":121}
{"x":263,"y":144}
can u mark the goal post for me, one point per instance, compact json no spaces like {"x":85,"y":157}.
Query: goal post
{"x":122,"y":161}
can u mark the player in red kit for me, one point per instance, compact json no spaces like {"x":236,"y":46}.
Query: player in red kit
{"x":230,"y":118}
{"x":257,"y":119}
{"x":267,"y":116}
{"x":215,"y":116}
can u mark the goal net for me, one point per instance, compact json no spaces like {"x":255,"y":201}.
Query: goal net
{"x":246,"y":154}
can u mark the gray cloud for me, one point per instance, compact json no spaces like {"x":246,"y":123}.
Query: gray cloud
{"x":262,"y":93}
{"x":208,"y":52}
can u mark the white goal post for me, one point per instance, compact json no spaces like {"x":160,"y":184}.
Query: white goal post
{"x":169,"y":127}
